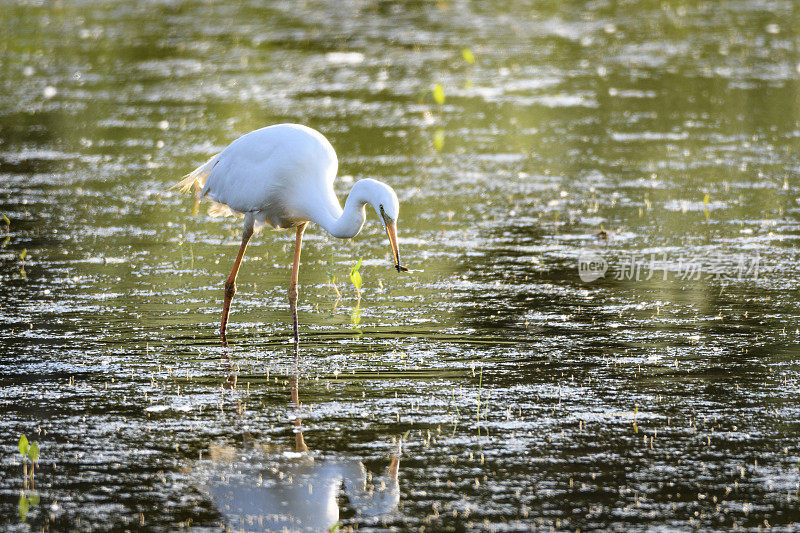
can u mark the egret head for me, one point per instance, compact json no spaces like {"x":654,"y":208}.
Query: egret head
{"x":384,"y":200}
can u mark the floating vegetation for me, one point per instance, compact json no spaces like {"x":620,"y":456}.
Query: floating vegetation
{"x":355,"y":278}
{"x":466,"y":53}
{"x":438,"y":139}
{"x":22,"y":255}
{"x":438,"y":94}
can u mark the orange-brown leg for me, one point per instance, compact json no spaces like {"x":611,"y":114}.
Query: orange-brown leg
{"x":230,"y":283}
{"x":293,"y":283}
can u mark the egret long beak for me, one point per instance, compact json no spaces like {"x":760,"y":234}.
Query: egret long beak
{"x":391,"y":231}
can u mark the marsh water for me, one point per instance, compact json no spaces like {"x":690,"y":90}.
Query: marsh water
{"x":496,"y":386}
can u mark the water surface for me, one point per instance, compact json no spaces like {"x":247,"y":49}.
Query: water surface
{"x":661,"y":138}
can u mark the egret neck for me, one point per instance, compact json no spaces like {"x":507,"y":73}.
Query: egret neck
{"x":347,"y":223}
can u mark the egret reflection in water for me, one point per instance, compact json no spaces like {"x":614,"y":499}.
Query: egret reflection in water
{"x":267,"y":486}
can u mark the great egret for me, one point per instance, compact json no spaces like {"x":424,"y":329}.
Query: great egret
{"x":283,"y":176}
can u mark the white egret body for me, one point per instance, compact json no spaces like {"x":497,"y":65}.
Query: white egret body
{"x":283,"y":176}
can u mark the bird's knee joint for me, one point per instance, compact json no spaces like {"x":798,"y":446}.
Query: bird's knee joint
{"x":293,"y":293}
{"x":230,"y":289}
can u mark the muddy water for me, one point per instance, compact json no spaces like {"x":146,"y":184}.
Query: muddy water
{"x":654,"y":145}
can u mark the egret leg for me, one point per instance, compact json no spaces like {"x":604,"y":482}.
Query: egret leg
{"x":299,"y":441}
{"x":230,"y":283}
{"x":293,"y":283}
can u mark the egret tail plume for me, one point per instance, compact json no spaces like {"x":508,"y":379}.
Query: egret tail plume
{"x":198,"y":175}
{"x":217,"y":209}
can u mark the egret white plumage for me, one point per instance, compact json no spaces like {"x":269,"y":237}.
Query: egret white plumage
{"x":283,"y":176}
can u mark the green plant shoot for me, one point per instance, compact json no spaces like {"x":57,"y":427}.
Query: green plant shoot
{"x":23,"y":254}
{"x":33,"y":452}
{"x":23,"y":445}
{"x":355,"y":277}
{"x":438,"y":93}
{"x":468,"y":56}
{"x":332,"y":280}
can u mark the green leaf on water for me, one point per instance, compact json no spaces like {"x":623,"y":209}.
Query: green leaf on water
{"x":468,"y":56}
{"x":33,"y":453}
{"x":23,"y":445}
{"x":23,"y":254}
{"x":355,"y":276}
{"x":706,"y":198}
{"x":5,"y":219}
{"x":33,"y":498}
{"x":438,"y":93}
